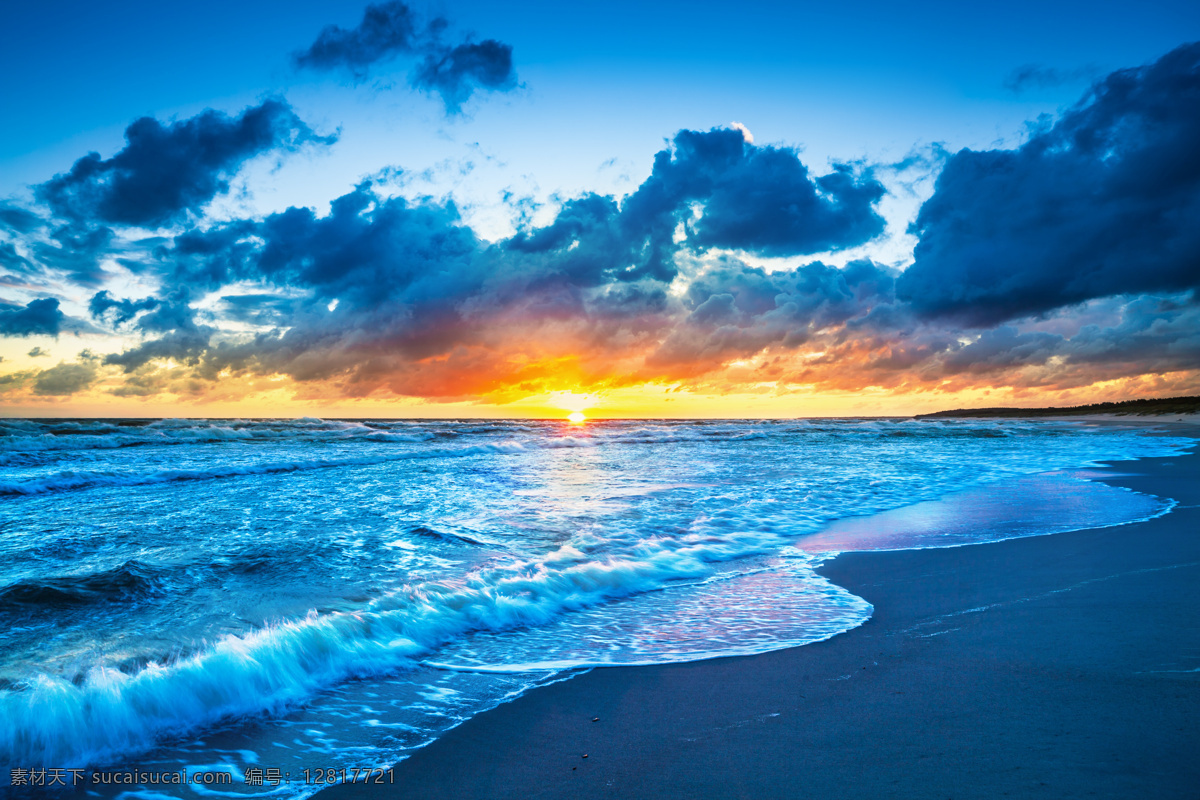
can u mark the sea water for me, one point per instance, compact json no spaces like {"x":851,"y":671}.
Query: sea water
{"x":237,"y":595}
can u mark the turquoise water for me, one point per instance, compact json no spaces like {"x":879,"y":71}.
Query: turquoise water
{"x":311,"y":594}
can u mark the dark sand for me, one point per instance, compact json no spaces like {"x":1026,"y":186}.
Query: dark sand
{"x":1049,"y":667}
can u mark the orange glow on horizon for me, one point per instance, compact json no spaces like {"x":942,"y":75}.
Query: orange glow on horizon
{"x":736,"y":392}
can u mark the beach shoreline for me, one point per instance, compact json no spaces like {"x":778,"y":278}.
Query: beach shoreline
{"x":1048,"y":666}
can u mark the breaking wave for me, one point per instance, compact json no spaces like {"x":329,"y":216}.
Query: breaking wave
{"x":107,"y":712}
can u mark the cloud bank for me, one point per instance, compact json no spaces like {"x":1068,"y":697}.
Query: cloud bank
{"x":1070,"y":261}
{"x":1105,"y":202}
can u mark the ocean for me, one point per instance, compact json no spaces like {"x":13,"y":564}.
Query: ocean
{"x":315,"y":597}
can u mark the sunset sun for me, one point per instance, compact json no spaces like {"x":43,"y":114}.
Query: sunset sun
{"x":576,"y":417}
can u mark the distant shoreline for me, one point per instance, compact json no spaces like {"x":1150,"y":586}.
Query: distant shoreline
{"x":1141,"y":408}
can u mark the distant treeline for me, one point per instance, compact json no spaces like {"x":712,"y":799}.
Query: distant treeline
{"x":1166,"y":405}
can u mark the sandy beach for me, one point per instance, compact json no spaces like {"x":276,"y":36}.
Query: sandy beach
{"x":1052,"y":666}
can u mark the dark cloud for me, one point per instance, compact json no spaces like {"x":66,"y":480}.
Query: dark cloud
{"x":368,"y":252}
{"x":172,"y":319}
{"x":77,"y":251}
{"x":37,"y":318}
{"x":12,"y":260}
{"x":12,"y":382}
{"x":37,"y":352}
{"x":64,"y":379}
{"x":121,"y":311}
{"x":373,"y":275}
{"x":387,"y":30}
{"x":737,"y":311}
{"x":19,"y":219}
{"x":758,"y":199}
{"x":165,"y":171}
{"x":589,"y":243}
{"x":143,"y":383}
{"x":1105,"y":202}
{"x":209,"y":258}
{"x":1153,"y":334}
{"x":392,"y":30}
{"x":183,"y":346}
{"x":1001,"y":348}
{"x":1035,"y":76}
{"x":456,"y":73}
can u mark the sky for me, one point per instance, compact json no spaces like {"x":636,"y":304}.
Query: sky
{"x":624,"y":209}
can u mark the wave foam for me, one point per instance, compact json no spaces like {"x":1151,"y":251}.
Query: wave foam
{"x":108,"y":712}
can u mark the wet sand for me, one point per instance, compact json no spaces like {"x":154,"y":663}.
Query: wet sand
{"x":1055,"y":666}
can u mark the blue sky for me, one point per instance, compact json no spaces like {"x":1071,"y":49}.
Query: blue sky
{"x":593,"y":93}
{"x":604,"y":80}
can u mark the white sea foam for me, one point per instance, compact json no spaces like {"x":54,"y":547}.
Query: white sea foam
{"x":59,"y":721}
